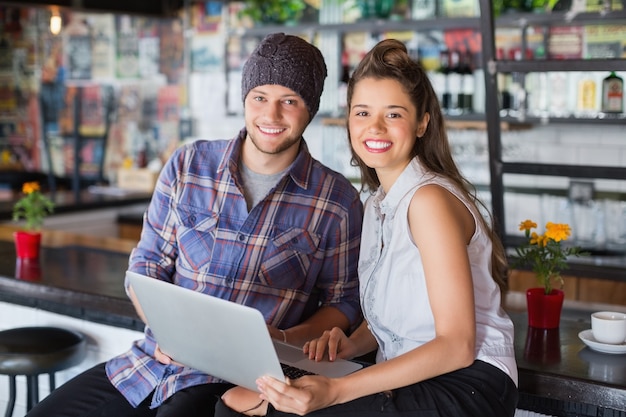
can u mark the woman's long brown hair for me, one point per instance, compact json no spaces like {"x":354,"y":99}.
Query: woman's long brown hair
{"x":389,"y":60}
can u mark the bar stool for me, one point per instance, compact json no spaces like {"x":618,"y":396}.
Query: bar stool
{"x":31,"y":351}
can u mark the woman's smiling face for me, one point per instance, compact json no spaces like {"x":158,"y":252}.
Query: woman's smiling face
{"x":383,"y":125}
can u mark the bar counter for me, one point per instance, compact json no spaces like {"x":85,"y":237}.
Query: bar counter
{"x":77,"y":275}
{"x":98,"y":198}
{"x":82,"y":276}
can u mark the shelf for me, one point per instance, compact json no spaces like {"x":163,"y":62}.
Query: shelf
{"x":558,"y":65}
{"x":371,"y":25}
{"x":474,"y":121}
{"x":573,"y":171}
{"x":522,"y":20}
{"x":603,"y":118}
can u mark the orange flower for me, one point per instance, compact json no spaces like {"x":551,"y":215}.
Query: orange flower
{"x":558,"y":231}
{"x":543,"y":253}
{"x":30,"y":187}
{"x":33,"y":207}
{"x":527,"y":225}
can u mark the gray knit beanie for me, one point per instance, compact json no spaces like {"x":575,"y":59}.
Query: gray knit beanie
{"x":288,"y":61}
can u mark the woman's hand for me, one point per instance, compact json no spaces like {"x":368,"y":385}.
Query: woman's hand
{"x":334,"y":342}
{"x":299,"y":396}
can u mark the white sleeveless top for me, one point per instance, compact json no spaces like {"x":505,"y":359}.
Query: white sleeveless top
{"x":393,"y":285}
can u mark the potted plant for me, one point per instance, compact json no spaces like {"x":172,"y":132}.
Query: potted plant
{"x":546,"y":256}
{"x":276,"y":12}
{"x":33,"y":207}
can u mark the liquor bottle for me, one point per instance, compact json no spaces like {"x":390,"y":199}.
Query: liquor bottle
{"x":343,"y":81}
{"x":516,"y":88}
{"x":537,"y":94}
{"x":586,"y":104}
{"x":613,"y":94}
{"x":504,"y":83}
{"x":454,"y":83}
{"x":467,"y":83}
{"x":423,"y":9}
{"x":560,"y":87}
{"x":478,"y":99}
{"x":443,"y":82}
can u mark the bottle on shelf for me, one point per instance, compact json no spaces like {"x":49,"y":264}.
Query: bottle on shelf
{"x":454,"y":83}
{"x":613,"y":94}
{"x":466,"y":96}
{"x":516,"y":88}
{"x":586,"y":103}
{"x":442,"y":82}
{"x":478,"y":99}
{"x":504,"y":84}
{"x":560,"y":100}
{"x":537,"y":87}
{"x":422,"y":9}
{"x":343,"y":81}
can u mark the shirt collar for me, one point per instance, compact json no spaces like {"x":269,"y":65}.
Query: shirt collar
{"x":299,"y":171}
{"x":407,"y":180}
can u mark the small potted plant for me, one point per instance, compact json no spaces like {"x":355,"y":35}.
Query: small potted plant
{"x":546,"y":256}
{"x":33,"y":207}
{"x":275,"y":12}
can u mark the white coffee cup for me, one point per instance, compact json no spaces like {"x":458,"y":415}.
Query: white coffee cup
{"x":609,"y":327}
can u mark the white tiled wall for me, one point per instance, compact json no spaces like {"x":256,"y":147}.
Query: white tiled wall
{"x":103,"y":342}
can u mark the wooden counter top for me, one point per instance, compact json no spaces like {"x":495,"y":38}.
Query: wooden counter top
{"x":58,"y":239}
{"x":69,"y":202}
{"x":83,"y":277}
{"x":77,"y":275}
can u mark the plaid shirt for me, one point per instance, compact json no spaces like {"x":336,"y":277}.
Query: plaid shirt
{"x":302,"y":239}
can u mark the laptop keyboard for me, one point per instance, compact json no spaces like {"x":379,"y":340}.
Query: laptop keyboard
{"x":292,"y":372}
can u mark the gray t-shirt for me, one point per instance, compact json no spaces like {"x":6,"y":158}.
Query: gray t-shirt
{"x":256,"y":186}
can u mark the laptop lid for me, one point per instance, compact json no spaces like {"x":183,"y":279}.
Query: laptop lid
{"x":221,"y":338}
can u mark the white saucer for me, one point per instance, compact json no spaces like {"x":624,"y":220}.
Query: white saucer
{"x":587,"y":337}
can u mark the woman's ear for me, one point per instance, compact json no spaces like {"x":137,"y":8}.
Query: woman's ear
{"x":423,"y":125}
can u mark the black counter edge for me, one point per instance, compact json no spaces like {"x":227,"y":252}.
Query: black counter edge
{"x":98,"y":309}
{"x":573,"y":391}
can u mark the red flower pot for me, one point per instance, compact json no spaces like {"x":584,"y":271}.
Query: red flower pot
{"x":543,"y":346}
{"x":27,"y":269}
{"x":544,"y":310}
{"x":27,"y":244}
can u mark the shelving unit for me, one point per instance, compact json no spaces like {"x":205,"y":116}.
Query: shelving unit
{"x":77,"y":177}
{"x":499,"y":167}
{"x":330,"y":38}
{"x":590,"y":267}
{"x":491,"y":121}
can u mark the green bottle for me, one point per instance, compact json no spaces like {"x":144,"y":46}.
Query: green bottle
{"x":613,"y":94}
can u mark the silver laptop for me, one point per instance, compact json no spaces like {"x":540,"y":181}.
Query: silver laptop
{"x":219,"y":337}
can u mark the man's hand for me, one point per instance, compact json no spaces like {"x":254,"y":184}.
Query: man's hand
{"x":162,"y":357}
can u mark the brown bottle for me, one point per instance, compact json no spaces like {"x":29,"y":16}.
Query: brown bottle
{"x":613,"y":94}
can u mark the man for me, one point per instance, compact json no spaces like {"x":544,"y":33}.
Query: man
{"x":254,"y":220}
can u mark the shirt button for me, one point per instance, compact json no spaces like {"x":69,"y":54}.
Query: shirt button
{"x":229,"y":280}
{"x":294,"y":240}
{"x":242,"y":238}
{"x":192,"y":219}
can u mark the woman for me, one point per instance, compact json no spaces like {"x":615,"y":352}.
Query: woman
{"x":431,"y":272}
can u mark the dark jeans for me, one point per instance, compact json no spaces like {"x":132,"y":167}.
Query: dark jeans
{"x":90,"y":394}
{"x":480,"y":390}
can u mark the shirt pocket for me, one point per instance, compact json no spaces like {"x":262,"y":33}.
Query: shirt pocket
{"x":289,"y":256}
{"x":196,"y":237}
